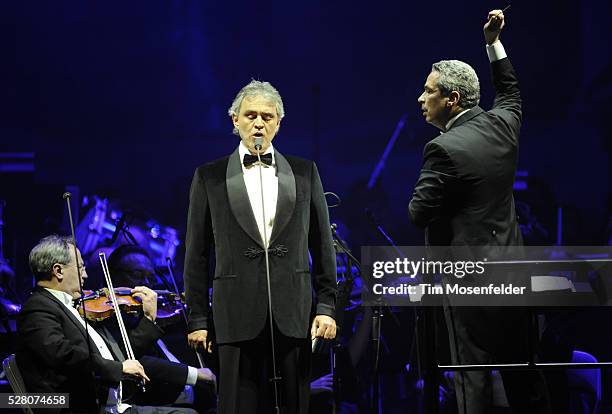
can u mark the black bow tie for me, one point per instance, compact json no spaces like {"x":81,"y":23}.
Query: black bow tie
{"x":249,"y":159}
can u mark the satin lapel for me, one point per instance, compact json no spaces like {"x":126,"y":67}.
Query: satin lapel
{"x":112,"y":343}
{"x":285,"y":203}
{"x":239,"y":198}
{"x":477,"y":110}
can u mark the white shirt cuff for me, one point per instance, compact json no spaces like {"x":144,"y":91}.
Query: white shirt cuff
{"x":496,"y":51}
{"x":192,"y":375}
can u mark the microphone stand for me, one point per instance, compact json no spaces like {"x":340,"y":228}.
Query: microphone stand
{"x":377,"y":314}
{"x":275,"y":378}
{"x":343,"y":300}
{"x":342,"y":303}
{"x":430,"y":378}
{"x":67,"y":196}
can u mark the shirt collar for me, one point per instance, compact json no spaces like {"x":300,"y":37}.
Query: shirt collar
{"x":243,"y":150}
{"x":454,"y":119}
{"x":63,"y":297}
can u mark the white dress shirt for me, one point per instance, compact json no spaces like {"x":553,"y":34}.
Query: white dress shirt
{"x":496,"y":51}
{"x":270,"y":190}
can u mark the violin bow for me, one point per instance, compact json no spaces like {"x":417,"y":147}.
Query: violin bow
{"x":111,"y":293}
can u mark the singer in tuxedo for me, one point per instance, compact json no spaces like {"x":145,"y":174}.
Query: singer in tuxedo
{"x":225,"y":215}
{"x":464,"y":199}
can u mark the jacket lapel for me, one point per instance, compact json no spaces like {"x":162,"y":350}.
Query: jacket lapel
{"x":286,"y":195}
{"x":239,"y":198}
{"x":113,"y":346}
{"x":105,"y":334}
{"x":70,"y":316}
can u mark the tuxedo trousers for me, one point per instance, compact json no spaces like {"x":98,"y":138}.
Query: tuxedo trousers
{"x":481,"y":335}
{"x":245,"y":373}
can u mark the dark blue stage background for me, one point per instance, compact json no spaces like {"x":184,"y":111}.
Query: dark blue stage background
{"x":125,"y":99}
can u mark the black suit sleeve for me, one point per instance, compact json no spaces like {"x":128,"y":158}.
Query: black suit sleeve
{"x":165,"y":371}
{"x":143,"y":336}
{"x":42,"y":331}
{"x":321,"y":249}
{"x":167,"y":381}
{"x":199,"y":242}
{"x":507,"y":104}
{"x":437,"y":175}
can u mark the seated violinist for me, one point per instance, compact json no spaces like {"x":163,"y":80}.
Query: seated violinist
{"x":130,"y":265}
{"x":54,"y":355}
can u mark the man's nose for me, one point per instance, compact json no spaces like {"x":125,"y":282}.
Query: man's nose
{"x":421,"y":99}
{"x":259,"y":122}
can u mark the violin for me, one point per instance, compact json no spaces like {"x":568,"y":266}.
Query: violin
{"x":98,"y":306}
{"x":170,"y":307}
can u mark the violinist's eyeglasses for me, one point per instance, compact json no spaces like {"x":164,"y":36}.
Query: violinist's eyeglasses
{"x":81,"y":268}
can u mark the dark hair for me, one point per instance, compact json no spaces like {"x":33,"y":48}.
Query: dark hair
{"x":115,"y":258}
{"x":116,"y":268}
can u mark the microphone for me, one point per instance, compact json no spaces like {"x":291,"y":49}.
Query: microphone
{"x":66,"y":195}
{"x":258,"y":142}
{"x":316,"y":345}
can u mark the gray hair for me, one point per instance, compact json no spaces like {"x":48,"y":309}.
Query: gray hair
{"x":456,"y":75}
{"x":257,"y":88}
{"x":49,"y":250}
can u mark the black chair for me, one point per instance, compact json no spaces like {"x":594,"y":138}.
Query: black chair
{"x":9,"y":365}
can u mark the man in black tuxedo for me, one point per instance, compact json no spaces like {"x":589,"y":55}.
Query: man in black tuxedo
{"x":53,"y":354}
{"x":464,"y":199}
{"x":225,"y":213}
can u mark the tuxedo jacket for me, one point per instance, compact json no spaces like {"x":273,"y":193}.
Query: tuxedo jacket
{"x":463,"y":196}
{"x":53,"y":355}
{"x":220,"y":218}
{"x":464,"y":199}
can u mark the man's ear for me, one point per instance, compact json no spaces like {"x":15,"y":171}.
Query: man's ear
{"x":57,"y":271}
{"x":453,"y":99}
{"x":235,"y":120}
